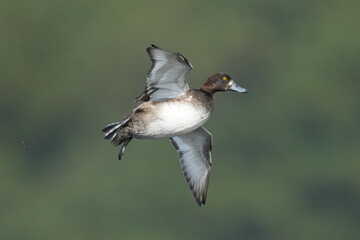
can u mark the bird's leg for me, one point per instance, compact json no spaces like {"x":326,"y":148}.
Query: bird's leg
{"x":122,"y":149}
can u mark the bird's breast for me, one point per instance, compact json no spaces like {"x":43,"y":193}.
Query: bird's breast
{"x":174,"y":118}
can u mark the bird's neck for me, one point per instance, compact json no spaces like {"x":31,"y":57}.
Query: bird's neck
{"x":208,"y":92}
{"x":208,"y":89}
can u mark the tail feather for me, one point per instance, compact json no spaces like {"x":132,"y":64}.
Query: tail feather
{"x":112,"y":131}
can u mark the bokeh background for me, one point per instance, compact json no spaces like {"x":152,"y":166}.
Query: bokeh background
{"x":285,"y":157}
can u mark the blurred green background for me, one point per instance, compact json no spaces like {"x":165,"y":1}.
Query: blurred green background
{"x":285,"y":157}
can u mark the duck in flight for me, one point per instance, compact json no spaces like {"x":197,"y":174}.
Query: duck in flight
{"x":170,"y":109}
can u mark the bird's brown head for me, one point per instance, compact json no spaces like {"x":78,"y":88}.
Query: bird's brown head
{"x":221,"y":82}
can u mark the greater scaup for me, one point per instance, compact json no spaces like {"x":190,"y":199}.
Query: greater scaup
{"x":171,"y":110}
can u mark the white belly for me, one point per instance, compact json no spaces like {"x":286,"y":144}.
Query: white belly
{"x":176,"y":118}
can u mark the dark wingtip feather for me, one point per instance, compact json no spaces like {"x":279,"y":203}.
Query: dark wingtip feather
{"x":182,"y":56}
{"x":152,"y":46}
{"x":200,"y":200}
{"x":144,"y":96}
{"x":200,"y":203}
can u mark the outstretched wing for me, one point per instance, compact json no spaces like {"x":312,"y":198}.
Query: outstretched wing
{"x":167,"y":75}
{"x":194,"y":151}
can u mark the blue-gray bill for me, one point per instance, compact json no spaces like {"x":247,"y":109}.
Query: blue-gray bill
{"x":236,"y":88}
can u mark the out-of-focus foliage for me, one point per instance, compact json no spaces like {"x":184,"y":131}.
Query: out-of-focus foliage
{"x":286,"y":156}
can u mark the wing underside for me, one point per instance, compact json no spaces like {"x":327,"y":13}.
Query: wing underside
{"x":167,"y":75}
{"x":194,"y":150}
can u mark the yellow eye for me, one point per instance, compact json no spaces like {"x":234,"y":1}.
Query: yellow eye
{"x":224,"y":78}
